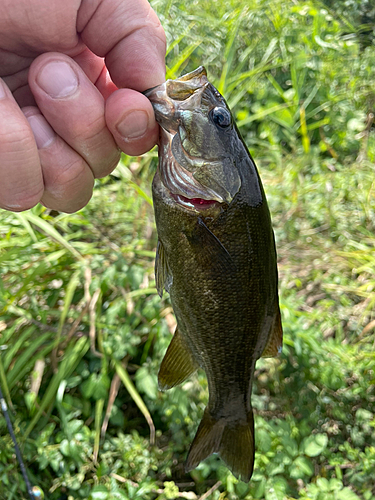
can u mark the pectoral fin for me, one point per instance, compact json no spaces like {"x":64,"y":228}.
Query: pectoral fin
{"x":275,"y":339}
{"x":163,"y":277}
{"x":178,"y":363}
{"x":209,"y":251}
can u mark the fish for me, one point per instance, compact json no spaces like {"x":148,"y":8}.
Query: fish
{"x":216,"y":257}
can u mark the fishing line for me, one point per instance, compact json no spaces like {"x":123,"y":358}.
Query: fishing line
{"x":16,"y":447}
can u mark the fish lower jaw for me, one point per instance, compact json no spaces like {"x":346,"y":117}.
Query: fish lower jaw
{"x":196,"y":204}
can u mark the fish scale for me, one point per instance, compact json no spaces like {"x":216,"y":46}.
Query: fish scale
{"x":217,"y":258}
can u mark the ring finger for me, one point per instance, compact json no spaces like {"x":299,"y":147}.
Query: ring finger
{"x":68,"y":179}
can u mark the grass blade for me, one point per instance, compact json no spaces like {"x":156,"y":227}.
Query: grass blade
{"x":25,"y":361}
{"x":185,"y":54}
{"x":70,"y":289}
{"x":98,"y":422}
{"x":71,"y":359}
{"x":141,"y":192}
{"x":130,"y":387}
{"x":52,"y":233}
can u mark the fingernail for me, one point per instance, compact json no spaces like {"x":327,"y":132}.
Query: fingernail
{"x":43,"y":133}
{"x":58,"y":79}
{"x":133,"y":125}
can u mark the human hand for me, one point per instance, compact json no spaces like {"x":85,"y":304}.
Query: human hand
{"x":62,"y":118}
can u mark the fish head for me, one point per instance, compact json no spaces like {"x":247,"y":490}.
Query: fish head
{"x":198,"y":141}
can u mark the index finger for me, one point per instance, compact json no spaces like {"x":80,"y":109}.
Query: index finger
{"x":130,"y":37}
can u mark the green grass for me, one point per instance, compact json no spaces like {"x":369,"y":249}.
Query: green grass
{"x":85,"y":330}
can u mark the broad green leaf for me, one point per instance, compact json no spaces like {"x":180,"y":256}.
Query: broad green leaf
{"x":323,"y":484}
{"x":347,"y":494}
{"x":290,"y":445}
{"x":314,"y":445}
{"x":335,"y":484}
{"x":99,"y":493}
{"x":301,"y":467}
{"x":363,"y":415}
{"x":275,"y":489}
{"x":146,"y":382}
{"x":96,"y":386}
{"x":263,"y":440}
{"x":260,"y":486}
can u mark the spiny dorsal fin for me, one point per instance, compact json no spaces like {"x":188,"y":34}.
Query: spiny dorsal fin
{"x":178,"y":363}
{"x":275,"y":339}
{"x":162,"y":273}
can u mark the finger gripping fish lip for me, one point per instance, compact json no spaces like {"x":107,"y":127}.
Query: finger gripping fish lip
{"x":170,"y":96}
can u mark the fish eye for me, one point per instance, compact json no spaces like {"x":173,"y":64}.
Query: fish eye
{"x":221,"y":117}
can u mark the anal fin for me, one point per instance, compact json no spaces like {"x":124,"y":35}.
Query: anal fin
{"x":275,"y":339}
{"x":178,"y":363}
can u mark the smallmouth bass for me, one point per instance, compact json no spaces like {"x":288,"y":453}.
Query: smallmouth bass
{"x":216,"y":257}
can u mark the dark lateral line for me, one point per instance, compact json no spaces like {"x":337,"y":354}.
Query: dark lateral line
{"x":16,"y":447}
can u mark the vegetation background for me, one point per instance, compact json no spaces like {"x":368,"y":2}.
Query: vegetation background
{"x":83,"y":331}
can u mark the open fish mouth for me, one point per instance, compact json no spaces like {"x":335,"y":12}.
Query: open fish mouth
{"x":197,"y":204}
{"x":189,"y":174}
{"x":180,"y":182}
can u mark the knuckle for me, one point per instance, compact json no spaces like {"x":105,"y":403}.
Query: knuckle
{"x":91,"y":137}
{"x":16,"y":139}
{"x":68,"y":176}
{"x":159,"y":34}
{"x":153,"y":22}
{"x":70,"y":187}
{"x":108,"y":165}
{"x":99,"y":149}
{"x":97,"y":136}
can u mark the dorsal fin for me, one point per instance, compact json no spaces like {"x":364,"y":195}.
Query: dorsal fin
{"x":275,"y":339}
{"x":178,"y":363}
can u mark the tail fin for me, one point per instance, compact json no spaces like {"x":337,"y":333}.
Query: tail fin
{"x":232,"y":440}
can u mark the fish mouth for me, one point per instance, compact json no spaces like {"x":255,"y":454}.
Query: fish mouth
{"x":168,"y":98}
{"x":196,"y":204}
{"x":180,"y":182}
{"x":177,"y":171}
